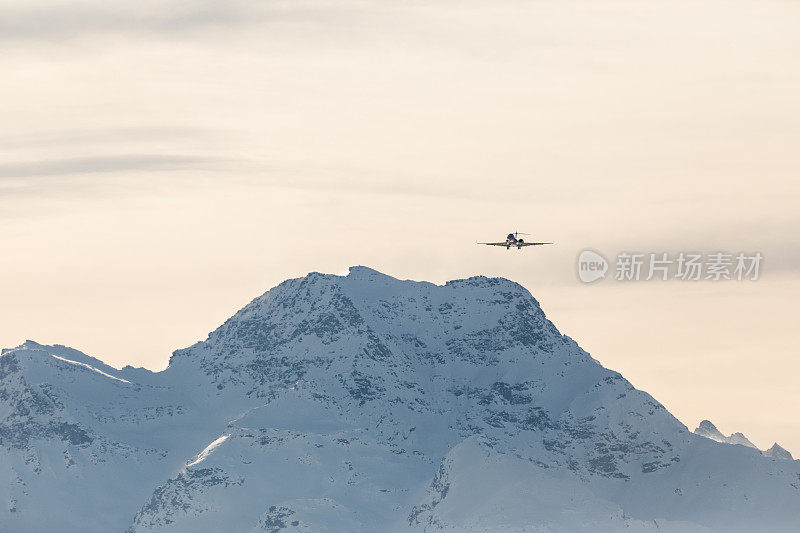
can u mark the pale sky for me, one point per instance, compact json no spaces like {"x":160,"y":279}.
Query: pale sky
{"x":164,"y":162}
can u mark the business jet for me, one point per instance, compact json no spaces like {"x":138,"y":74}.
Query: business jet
{"x":513,"y":240}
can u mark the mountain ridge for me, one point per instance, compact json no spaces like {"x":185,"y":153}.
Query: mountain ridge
{"x":363,"y":402}
{"x":707,"y":429}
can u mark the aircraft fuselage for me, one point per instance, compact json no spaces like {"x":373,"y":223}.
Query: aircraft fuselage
{"x":512,"y":241}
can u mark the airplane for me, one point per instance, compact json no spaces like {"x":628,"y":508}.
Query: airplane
{"x":512,"y":240}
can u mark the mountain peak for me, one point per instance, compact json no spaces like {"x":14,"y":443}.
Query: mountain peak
{"x":778,"y":452}
{"x":707,"y":425}
{"x":27,"y":345}
{"x":709,"y":430}
{"x":417,"y":325}
{"x":360,"y":271}
{"x":739,"y":438}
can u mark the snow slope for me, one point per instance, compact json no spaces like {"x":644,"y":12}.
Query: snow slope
{"x":366,"y":403}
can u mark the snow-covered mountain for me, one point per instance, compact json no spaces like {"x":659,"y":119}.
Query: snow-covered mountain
{"x":778,"y":452}
{"x":709,"y":430}
{"x":366,"y":403}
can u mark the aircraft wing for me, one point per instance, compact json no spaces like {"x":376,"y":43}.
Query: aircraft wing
{"x":494,"y":243}
{"x":531,"y":243}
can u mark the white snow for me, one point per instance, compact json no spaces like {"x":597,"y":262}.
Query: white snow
{"x":208,"y":450}
{"x":90,"y":367}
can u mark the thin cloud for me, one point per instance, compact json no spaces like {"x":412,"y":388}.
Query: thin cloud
{"x":102,"y":165}
{"x":58,"y":21}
